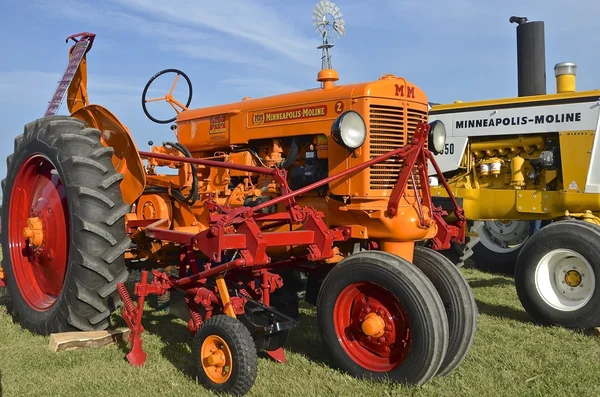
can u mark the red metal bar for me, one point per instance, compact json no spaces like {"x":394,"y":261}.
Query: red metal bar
{"x":181,"y":283}
{"x":154,"y":231}
{"x":402,"y":182}
{"x":459,"y":211}
{"x":210,"y":163}
{"x":401,"y":152}
{"x":282,"y":239}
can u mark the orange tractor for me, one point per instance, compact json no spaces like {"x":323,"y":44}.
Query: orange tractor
{"x":329,"y":184}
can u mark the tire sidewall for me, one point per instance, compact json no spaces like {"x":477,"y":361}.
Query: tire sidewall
{"x":579,"y":238}
{"x":355,"y":273}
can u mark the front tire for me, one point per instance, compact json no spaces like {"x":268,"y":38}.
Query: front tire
{"x":381,"y":318}
{"x":62,"y":189}
{"x":225,"y":355}
{"x":557,"y":276}
{"x":459,"y":302}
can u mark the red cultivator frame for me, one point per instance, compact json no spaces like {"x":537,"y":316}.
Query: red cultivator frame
{"x":237,"y":230}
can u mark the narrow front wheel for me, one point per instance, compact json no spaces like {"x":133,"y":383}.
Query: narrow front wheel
{"x":225,"y":355}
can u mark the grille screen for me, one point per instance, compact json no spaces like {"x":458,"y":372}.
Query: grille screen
{"x":390,"y":127}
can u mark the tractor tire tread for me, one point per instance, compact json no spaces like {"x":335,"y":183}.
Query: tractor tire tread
{"x":96,"y":251}
{"x":459,"y":301}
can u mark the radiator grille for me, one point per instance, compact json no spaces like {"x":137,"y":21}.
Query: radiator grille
{"x":390,"y":127}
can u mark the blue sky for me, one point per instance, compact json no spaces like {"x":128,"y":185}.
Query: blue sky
{"x":463,"y":49}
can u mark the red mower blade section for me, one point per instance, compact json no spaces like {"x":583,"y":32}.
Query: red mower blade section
{"x":79,"y":50}
{"x":277,"y":355}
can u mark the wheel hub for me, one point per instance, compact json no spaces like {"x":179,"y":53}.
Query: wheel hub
{"x":34,"y":231}
{"x":504,"y":236}
{"x":38,"y":232}
{"x":216,"y":359}
{"x":565,"y":279}
{"x":373,"y":325}
{"x":573,"y":278}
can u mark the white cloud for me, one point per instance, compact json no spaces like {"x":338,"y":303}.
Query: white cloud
{"x":247,"y":19}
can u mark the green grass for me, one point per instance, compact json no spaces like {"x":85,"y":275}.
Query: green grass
{"x":510,"y":357}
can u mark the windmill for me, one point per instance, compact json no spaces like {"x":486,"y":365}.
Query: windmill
{"x":328,"y":22}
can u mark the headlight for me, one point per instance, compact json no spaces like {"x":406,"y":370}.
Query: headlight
{"x":349,"y":130}
{"x":437,"y":137}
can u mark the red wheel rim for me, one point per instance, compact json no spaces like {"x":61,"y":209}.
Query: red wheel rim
{"x":377,"y":354}
{"x":39,"y":270}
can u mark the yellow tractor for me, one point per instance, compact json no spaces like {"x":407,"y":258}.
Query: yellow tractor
{"x":525,"y":170}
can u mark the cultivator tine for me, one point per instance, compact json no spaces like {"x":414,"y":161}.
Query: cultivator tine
{"x":133,"y":318}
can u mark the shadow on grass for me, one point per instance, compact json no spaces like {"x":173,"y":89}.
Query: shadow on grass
{"x":176,"y":339}
{"x":305,"y":340}
{"x":492,"y":282}
{"x":502,"y":311}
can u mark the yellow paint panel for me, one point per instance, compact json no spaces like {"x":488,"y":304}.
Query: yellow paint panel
{"x":575,"y":153}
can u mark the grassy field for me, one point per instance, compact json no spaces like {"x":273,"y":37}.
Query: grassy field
{"x":510,"y":357}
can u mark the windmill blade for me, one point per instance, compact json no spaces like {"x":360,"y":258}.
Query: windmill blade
{"x":328,"y":20}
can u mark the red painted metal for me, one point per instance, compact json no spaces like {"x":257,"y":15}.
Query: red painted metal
{"x":39,"y":270}
{"x":377,"y":354}
{"x":407,"y":168}
{"x":237,"y":230}
{"x":277,"y":355}
{"x":446,"y":232}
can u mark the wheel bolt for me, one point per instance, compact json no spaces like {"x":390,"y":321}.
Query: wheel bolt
{"x":387,"y":349}
{"x":382,"y":339}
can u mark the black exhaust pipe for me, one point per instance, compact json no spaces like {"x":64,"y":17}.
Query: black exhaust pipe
{"x":531,"y":56}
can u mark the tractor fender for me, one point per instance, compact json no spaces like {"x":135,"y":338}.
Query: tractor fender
{"x":126,"y":158}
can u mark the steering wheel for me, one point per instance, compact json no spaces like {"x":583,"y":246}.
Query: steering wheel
{"x":175,"y":104}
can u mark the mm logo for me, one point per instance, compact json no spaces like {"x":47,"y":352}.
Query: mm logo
{"x":400,"y":91}
{"x":258,"y":118}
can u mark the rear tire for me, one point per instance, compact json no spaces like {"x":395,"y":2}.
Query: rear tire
{"x":557,"y":276}
{"x":62,"y":174}
{"x":388,"y":288}
{"x":499,"y":245}
{"x":459,"y":302}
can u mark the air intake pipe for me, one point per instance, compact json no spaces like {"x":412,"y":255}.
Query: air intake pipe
{"x":531,"y":56}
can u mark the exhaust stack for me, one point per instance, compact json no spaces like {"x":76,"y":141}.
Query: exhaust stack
{"x":531,"y":56}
